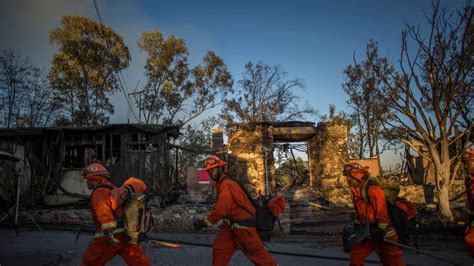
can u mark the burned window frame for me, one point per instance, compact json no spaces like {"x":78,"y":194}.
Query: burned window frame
{"x":76,"y":145}
{"x":139,"y":141}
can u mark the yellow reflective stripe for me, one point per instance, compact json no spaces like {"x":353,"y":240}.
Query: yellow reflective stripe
{"x":108,"y":225}
{"x":390,"y":233}
{"x":382,"y":225}
{"x":470,"y":212}
{"x":116,"y":231}
{"x":357,"y":221}
{"x":238,"y":226}
{"x":208,"y":223}
{"x":472,"y":223}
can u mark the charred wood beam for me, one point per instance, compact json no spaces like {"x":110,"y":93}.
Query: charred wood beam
{"x":204,"y":150}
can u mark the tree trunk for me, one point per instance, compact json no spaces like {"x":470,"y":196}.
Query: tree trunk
{"x":361,"y":137}
{"x":369,"y":137}
{"x":442,"y":188}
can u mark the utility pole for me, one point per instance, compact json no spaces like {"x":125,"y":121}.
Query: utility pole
{"x":139,"y":93}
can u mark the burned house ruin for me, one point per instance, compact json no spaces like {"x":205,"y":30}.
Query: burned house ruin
{"x":53,"y":158}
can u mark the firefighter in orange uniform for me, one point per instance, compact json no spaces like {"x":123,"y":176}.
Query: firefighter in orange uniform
{"x":110,"y":239}
{"x":372,"y":213}
{"x":468,"y":160}
{"x":238,"y":228}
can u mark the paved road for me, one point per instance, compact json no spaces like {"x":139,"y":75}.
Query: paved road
{"x":58,"y":248}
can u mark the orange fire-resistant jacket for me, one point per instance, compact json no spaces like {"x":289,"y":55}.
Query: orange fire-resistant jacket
{"x":231,"y":203}
{"x":469,"y":183}
{"x":374,"y":210}
{"x":101,"y":207}
{"x":469,"y":237}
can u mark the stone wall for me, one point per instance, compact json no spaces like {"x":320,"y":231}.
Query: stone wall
{"x":248,"y":147}
{"x":328,"y":152}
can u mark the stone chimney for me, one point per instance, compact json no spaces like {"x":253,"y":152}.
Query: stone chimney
{"x":217,"y":138}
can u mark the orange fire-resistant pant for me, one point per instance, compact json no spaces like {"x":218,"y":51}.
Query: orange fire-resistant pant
{"x":389,"y":254}
{"x":247,"y":240}
{"x":469,"y":239}
{"x":100,"y":252}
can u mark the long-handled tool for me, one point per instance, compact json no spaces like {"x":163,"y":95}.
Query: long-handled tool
{"x":419,"y":251}
{"x":167,"y":244}
{"x":13,"y":224}
{"x":294,"y":254}
{"x":296,"y":220}
{"x":78,"y":232}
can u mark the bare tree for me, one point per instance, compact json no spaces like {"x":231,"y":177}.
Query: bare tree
{"x":364,"y":87}
{"x":432,"y":94}
{"x":265,"y":94}
{"x":40,"y":105}
{"x":26,"y":97}
{"x":14,"y":72}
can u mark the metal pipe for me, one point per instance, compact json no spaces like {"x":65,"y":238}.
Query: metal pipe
{"x":17,"y":198}
{"x":267,"y":188}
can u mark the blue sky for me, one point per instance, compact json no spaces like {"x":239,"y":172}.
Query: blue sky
{"x":312,"y":40}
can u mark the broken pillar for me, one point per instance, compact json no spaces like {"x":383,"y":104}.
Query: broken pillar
{"x":327,"y":154}
{"x":251,"y":156}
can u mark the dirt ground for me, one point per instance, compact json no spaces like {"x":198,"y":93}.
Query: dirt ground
{"x":56,"y":247}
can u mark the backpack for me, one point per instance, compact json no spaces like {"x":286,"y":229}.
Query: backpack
{"x":400,"y":211}
{"x":266,"y":215}
{"x":267,"y":210}
{"x":390,"y":187}
{"x":137,"y":216}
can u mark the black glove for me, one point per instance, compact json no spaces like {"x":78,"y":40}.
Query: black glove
{"x":377,"y":234}
{"x":199,"y":224}
{"x":109,"y":235}
{"x":361,"y":233}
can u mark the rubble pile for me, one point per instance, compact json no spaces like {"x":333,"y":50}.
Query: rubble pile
{"x":172,"y":218}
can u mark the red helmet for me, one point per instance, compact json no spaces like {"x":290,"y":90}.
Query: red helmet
{"x":468,"y":156}
{"x":96,"y":171}
{"x":213,"y":161}
{"x":355,"y":168}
